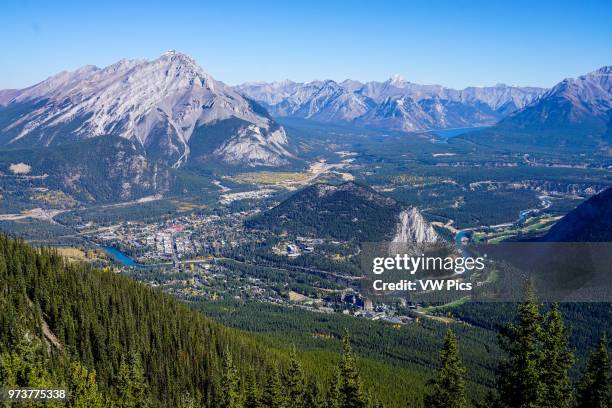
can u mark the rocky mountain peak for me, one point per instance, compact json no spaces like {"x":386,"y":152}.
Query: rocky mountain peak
{"x":157,"y":102}
{"x":397,"y":80}
{"x":605,"y":70}
{"x":582,"y":103}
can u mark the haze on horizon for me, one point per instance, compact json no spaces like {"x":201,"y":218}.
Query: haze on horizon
{"x":451,"y":43}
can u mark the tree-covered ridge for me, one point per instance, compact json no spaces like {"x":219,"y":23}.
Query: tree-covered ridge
{"x":111,"y":341}
{"x":102,"y":320}
{"x":447,"y":388}
{"x":591,"y":221}
{"x":347,"y":212}
{"x":102,"y":169}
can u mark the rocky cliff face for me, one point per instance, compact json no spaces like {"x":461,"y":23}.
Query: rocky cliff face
{"x":253,"y":146}
{"x":412,"y":227}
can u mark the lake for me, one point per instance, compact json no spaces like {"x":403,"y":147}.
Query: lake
{"x":449,"y":133}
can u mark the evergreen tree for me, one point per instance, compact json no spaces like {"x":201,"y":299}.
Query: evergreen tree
{"x":83,"y":389}
{"x":273,"y":395}
{"x":295,"y":381}
{"x":25,"y":365}
{"x":350,"y":388}
{"x":314,"y":397}
{"x":376,"y":404}
{"x":251,"y":398}
{"x":123,"y":385}
{"x":230,"y":394}
{"x":556,"y":361}
{"x":334,"y":399}
{"x":447,"y":389}
{"x":187,"y":400}
{"x":130,"y":384}
{"x":138,"y":382}
{"x":519,"y":377}
{"x":594,"y":389}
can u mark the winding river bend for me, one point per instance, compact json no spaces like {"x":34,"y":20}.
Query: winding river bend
{"x":545,"y":202}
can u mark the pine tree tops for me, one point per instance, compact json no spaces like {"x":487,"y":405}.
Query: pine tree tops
{"x":594,"y":389}
{"x":349,"y":387}
{"x":295,"y":381}
{"x":447,"y":389}
{"x":519,"y":377}
{"x":273,"y":393}
{"x":131,"y":383}
{"x":535,"y":374}
{"x":334,"y":399}
{"x":230,"y":392}
{"x":251,"y":397}
{"x":84,"y":389}
{"x":556,"y":361}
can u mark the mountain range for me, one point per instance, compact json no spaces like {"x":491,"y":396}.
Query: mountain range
{"x":394,"y":104}
{"x":583,"y":101}
{"x":122,"y":128}
{"x":180,"y":114}
{"x":580,"y":106}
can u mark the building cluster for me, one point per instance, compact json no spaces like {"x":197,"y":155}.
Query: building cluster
{"x":177,"y":238}
{"x":297,"y":247}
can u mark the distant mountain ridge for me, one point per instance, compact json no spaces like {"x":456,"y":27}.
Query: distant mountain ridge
{"x":574,"y":113}
{"x":586,"y":100}
{"x":160,"y":104}
{"x":393,"y":104}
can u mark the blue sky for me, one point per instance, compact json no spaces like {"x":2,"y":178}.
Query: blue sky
{"x":453,"y":43}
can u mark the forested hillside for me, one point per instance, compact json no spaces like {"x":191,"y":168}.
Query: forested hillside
{"x":111,"y":341}
{"x":55,"y":312}
{"x":324,"y":210}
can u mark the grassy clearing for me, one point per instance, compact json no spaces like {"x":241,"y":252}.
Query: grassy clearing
{"x":452,"y":304}
{"x":55,"y":198}
{"x":184,"y":206}
{"x":271,"y":177}
{"x":78,"y":254}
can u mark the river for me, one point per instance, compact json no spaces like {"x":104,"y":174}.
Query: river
{"x":545,"y":203}
{"x":120,"y":257}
